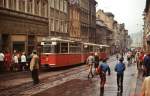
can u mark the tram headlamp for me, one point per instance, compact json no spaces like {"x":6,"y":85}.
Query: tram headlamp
{"x":54,"y":43}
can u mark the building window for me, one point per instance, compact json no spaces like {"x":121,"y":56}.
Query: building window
{"x":29,"y":6}
{"x":22,"y":5}
{"x":65,"y":6}
{"x":57,"y":4}
{"x":37,"y":7}
{"x":1,"y":3}
{"x":52,"y":3}
{"x":65,"y":27}
{"x":44,"y":8}
{"x":61,"y":5}
{"x":14,"y":4}
{"x":52,"y":24}
{"x":57,"y":26}
{"x":61,"y":26}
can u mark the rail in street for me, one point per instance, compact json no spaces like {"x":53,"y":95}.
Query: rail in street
{"x":74,"y":82}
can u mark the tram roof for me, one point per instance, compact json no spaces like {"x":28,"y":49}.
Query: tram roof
{"x":57,"y":39}
{"x":99,"y":45}
{"x":104,"y":45}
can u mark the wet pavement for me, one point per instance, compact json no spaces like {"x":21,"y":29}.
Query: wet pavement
{"x":77,"y":84}
{"x":84,"y":87}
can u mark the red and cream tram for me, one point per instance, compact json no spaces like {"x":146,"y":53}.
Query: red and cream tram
{"x":57,"y":52}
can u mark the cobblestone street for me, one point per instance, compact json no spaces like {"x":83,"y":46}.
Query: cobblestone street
{"x":73,"y":83}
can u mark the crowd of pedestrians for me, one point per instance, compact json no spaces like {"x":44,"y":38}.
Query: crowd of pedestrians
{"x":138,"y":57}
{"x":18,"y":61}
{"x":12,"y":62}
{"x":102,"y":67}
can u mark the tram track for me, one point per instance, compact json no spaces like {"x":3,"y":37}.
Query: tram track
{"x":13,"y":91}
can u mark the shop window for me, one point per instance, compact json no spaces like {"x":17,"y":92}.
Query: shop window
{"x":19,"y":46}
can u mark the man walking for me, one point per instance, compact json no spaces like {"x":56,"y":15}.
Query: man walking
{"x":120,"y":68}
{"x":103,"y":68}
{"x":147,"y":65}
{"x":90,"y":62}
{"x":34,"y":67}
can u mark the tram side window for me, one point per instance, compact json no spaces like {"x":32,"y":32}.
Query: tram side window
{"x":57,"y":48}
{"x":90,"y":48}
{"x":64,"y":47}
{"x":75,"y":48}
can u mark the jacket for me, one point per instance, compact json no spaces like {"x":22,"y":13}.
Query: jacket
{"x":120,"y":67}
{"x":34,"y":64}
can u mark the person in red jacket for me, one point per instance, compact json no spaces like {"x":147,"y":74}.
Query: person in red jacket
{"x":7,"y":60}
{"x":141,"y":60}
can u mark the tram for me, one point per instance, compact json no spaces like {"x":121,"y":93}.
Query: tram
{"x":57,"y":52}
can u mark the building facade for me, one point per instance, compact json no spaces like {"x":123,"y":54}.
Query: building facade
{"x":146,"y":34}
{"x":116,"y":34}
{"x":88,"y":20}
{"x":25,"y":22}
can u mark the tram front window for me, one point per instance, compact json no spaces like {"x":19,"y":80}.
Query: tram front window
{"x":51,"y":48}
{"x":48,"y":49}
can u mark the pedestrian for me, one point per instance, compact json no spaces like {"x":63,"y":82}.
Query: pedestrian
{"x":34,"y":67}
{"x":15,"y":66}
{"x":129,"y":57}
{"x":146,"y":65}
{"x":137,"y":60}
{"x":8,"y":60}
{"x":102,"y":69}
{"x":96,"y":61}
{"x":117,"y":56}
{"x":1,"y":61}
{"x":23,"y":62}
{"x":120,"y":68}
{"x":146,"y":87}
{"x":90,"y":62}
{"x":141,"y":60}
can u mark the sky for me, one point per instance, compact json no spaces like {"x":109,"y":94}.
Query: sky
{"x":125,"y":11}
